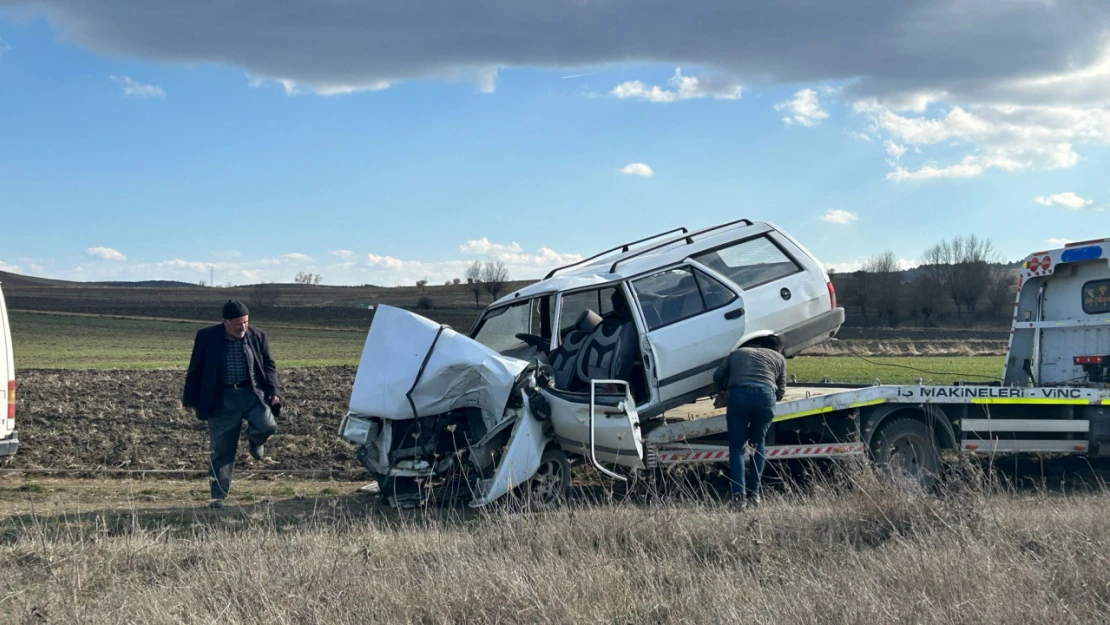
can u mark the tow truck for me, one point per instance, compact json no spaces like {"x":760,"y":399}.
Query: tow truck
{"x":1053,"y":394}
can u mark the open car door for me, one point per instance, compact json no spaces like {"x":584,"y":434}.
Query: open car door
{"x":601,"y":425}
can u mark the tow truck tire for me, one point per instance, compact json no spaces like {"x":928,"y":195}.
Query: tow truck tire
{"x":905,"y":445}
{"x":548,"y":487}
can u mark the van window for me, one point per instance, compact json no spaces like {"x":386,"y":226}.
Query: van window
{"x":677,"y":294}
{"x":1096,"y":297}
{"x":750,"y":263}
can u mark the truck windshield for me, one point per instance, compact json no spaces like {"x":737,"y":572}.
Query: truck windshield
{"x":500,"y":326}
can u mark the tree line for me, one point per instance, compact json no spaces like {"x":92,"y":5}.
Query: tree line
{"x":967,"y":271}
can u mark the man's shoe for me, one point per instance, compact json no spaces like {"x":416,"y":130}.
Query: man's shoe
{"x":738,"y":502}
{"x":215,"y":503}
{"x":754,"y":501}
{"x":258,"y":452}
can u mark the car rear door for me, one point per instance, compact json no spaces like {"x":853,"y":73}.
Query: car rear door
{"x":779,"y":290}
{"x":693,"y":321}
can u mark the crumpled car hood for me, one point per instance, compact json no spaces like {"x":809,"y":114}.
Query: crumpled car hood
{"x":414,"y":367}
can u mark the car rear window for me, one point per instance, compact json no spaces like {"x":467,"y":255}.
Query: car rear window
{"x":750,"y":263}
{"x":1096,"y":297}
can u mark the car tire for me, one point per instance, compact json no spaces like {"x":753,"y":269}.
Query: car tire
{"x":548,"y":487}
{"x":904,"y":447}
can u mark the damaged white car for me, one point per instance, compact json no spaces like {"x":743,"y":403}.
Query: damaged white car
{"x":582,"y":363}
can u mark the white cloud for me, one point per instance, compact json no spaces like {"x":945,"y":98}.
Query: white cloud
{"x":483,"y":246}
{"x":293,"y":88}
{"x":104,"y":253}
{"x":1010,"y":136}
{"x":965,"y":169}
{"x":1057,"y":242}
{"x":838,"y":216}
{"x":4,"y":47}
{"x":637,"y":169}
{"x":343,"y":253}
{"x":10,"y":268}
{"x":135,"y":89}
{"x":681,"y":88}
{"x":377,"y":269}
{"x":387,"y":262}
{"x":803,"y":109}
{"x":1067,"y":199}
{"x":894,"y":151}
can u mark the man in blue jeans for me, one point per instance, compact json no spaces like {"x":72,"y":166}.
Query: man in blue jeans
{"x":755,"y":378}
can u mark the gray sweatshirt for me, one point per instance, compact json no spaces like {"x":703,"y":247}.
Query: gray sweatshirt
{"x":752,"y":365}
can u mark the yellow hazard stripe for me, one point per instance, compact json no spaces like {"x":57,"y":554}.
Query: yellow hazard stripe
{"x":1031,"y":400}
{"x":810,"y":413}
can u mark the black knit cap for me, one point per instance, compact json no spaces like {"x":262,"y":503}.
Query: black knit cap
{"x":234,"y":310}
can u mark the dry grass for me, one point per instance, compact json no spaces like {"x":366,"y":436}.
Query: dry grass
{"x":866,"y":552}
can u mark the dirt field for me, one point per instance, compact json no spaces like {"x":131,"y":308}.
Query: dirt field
{"x":120,"y":419}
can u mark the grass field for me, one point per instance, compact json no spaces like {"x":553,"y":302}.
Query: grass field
{"x":857,"y":550}
{"x":54,"y":341}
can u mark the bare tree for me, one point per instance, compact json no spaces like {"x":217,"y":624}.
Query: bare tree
{"x":422,"y":284}
{"x":925,"y":294}
{"x":306,"y":277}
{"x":456,"y":281}
{"x":971,"y":274}
{"x":494,"y":277}
{"x":1001,"y":291}
{"x":937,"y":264}
{"x":474,"y":281}
{"x":887,"y":285}
{"x":963,"y":269}
{"x":861,"y":292}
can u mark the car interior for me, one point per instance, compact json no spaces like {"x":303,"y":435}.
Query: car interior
{"x":600,"y":346}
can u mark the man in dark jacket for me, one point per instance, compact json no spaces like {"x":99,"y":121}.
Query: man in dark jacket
{"x":755,"y":378}
{"x":232,"y":378}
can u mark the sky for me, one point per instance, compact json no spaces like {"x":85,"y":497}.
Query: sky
{"x":384,"y":142}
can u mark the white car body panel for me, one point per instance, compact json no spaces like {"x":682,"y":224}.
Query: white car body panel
{"x":459,"y":371}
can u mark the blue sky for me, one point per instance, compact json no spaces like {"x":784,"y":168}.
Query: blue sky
{"x":126,"y":156}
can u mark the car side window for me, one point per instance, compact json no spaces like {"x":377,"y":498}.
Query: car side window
{"x":713,"y":292}
{"x":669,"y":296}
{"x":597,"y":300}
{"x":750,"y":263}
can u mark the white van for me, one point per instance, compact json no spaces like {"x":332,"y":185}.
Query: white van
{"x":9,"y":438}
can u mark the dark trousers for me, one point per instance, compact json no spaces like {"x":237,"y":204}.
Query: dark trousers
{"x":748,"y":418}
{"x":224,"y":426}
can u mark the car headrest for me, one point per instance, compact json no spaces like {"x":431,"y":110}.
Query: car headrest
{"x":588,"y":320}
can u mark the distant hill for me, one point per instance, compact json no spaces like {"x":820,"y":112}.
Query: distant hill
{"x":15,"y":279}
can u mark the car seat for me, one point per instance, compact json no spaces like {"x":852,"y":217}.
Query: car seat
{"x":564,"y":359}
{"x":610,"y":350}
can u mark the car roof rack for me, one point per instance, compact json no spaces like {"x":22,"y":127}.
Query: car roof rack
{"x":624,"y":248}
{"x":689,"y":237}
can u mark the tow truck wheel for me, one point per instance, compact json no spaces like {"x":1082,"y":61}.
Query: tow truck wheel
{"x":905,"y":447}
{"x":549,"y":485}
